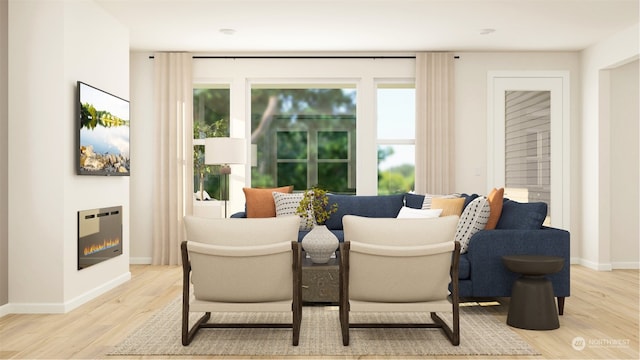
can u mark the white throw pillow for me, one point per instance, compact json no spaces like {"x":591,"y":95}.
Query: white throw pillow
{"x":411,"y":213}
{"x":287,"y":204}
{"x":473,"y":219}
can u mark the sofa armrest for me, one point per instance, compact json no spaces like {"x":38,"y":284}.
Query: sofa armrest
{"x":486,"y":248}
{"x":239,"y":215}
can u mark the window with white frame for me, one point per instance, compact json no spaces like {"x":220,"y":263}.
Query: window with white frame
{"x":317,"y":136}
{"x":396,"y":137}
{"x":211,"y":114}
{"x":304,"y":136}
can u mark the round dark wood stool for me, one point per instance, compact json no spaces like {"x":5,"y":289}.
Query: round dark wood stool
{"x":532,"y":306}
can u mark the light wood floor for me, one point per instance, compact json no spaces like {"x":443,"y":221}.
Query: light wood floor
{"x":602,"y":310}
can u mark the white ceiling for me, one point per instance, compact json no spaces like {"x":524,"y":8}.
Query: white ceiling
{"x":370,"y":26}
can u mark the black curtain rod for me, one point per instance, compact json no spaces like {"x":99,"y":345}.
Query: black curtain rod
{"x":298,"y":57}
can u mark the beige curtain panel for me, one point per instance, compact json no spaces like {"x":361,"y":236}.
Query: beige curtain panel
{"x":173,"y":185}
{"x":434,"y":123}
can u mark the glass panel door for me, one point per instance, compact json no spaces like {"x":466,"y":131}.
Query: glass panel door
{"x":528,"y":154}
{"x":528,"y":146}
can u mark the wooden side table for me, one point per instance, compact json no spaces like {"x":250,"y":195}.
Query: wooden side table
{"x":320,"y":282}
{"x":532,"y":306}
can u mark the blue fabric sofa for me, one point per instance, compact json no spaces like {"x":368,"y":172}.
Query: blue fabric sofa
{"x":518,"y":232}
{"x":481,"y":271}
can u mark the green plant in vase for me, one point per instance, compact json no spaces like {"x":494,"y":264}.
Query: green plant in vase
{"x":314,"y":206}
{"x":319,"y":243}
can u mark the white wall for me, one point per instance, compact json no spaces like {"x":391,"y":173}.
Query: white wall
{"x":141,"y":157}
{"x":53,"y":44}
{"x":4,"y":156}
{"x":596,"y":143}
{"x":624,"y":160}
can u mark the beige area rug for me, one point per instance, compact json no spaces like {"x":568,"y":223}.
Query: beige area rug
{"x":481,"y":334}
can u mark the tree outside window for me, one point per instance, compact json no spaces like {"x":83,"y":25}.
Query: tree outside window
{"x":305,"y":136}
{"x":396,"y":138}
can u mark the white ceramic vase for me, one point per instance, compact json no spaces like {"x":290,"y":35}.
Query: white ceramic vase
{"x":320,"y":243}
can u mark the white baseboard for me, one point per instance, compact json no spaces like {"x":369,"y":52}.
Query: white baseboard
{"x":61,"y":308}
{"x":618,"y":265}
{"x":5,"y":310}
{"x":626,"y":265}
{"x":95,"y":292}
{"x":140,"y":261}
{"x":36,"y":308}
{"x":595,"y":266}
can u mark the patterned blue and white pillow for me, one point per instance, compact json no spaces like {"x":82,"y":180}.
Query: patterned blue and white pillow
{"x":287,"y":204}
{"x":473,"y":219}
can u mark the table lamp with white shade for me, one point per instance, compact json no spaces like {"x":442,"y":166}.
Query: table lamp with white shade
{"x":224,"y":151}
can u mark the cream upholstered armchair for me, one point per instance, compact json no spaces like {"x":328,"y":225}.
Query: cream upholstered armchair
{"x":241,"y":265}
{"x":400,"y":265}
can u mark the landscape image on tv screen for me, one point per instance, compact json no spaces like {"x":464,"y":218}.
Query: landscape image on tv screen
{"x":103,"y":135}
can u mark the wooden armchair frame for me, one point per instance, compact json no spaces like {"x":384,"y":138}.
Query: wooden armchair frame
{"x":452,"y":332}
{"x":202,"y":322}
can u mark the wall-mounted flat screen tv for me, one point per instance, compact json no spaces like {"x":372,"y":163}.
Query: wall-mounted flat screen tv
{"x":103,"y":132}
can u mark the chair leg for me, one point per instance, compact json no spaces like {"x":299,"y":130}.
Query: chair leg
{"x":297,"y":291}
{"x":455,"y":340}
{"x":452,"y":335}
{"x":344,"y":292}
{"x":560,"y":305}
{"x":185,"y":322}
{"x":297,"y":320}
{"x":296,"y":330}
{"x":188,"y":334}
{"x":344,"y":325}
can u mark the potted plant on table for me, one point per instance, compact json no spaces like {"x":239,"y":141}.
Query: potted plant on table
{"x":320,"y":243}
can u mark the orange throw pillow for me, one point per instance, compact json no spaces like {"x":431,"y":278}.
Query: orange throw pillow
{"x":448,"y":206}
{"x":260,"y":203}
{"x":495,"y":204}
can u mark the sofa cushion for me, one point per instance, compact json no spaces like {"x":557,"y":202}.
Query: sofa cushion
{"x":413,"y":201}
{"x":260,"y":203}
{"x":376,"y":206}
{"x":449,"y":206}
{"x":464,"y":267}
{"x":495,"y":202}
{"x":287,"y":205}
{"x":473,"y":219}
{"x":428,"y":200}
{"x":522,"y":216}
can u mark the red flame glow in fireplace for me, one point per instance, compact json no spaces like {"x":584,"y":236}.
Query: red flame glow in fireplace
{"x":99,"y":235}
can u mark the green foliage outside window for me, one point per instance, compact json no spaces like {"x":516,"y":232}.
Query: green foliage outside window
{"x":397,"y":179}
{"x":304,"y":136}
{"x":211,"y":114}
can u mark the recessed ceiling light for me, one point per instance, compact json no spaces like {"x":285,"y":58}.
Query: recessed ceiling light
{"x":228,"y":31}
{"x":487,"y":31}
